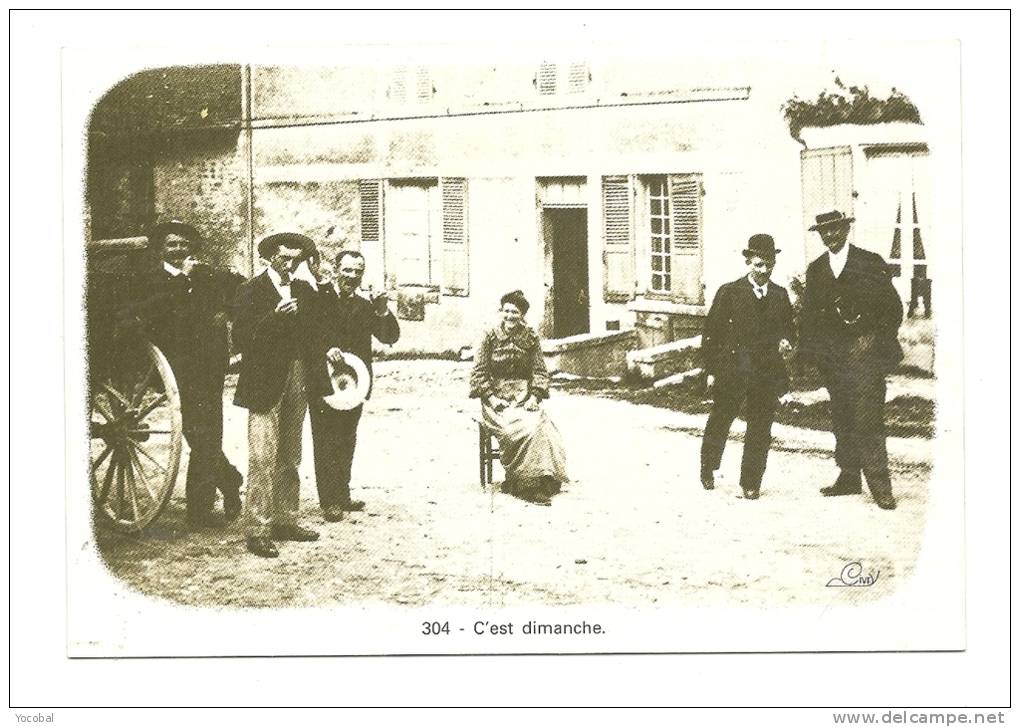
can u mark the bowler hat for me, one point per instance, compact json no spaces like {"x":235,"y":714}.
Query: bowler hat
{"x":761,"y":244}
{"x":830,"y":218}
{"x":159,"y":233}
{"x":269,"y":244}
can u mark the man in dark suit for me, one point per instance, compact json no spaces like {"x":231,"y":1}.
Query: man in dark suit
{"x":850,"y":319}
{"x":274,"y":330}
{"x":186,"y":316}
{"x":747,"y":334}
{"x":347,"y":323}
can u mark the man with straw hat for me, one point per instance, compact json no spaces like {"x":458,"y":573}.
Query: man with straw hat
{"x":274,"y":330}
{"x":851,"y":315}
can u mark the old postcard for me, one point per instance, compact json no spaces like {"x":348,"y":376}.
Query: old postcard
{"x":514,"y":348}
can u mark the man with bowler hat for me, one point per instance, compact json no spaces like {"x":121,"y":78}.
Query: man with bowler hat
{"x":747,"y":335}
{"x":186,"y":314}
{"x":850,"y":319}
{"x":274,"y":330}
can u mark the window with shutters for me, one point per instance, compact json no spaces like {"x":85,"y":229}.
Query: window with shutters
{"x":554,"y":79}
{"x":667,"y":226}
{"x":424,"y":223}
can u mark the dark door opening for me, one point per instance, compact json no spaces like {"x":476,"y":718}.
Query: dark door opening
{"x":567,"y":231}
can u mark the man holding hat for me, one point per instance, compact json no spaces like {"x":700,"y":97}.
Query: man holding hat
{"x":850,"y":319}
{"x":347,"y":322}
{"x":186,"y":315}
{"x":747,"y":335}
{"x":274,"y":330}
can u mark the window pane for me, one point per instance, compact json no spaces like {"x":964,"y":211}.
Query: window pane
{"x":667,"y":264}
{"x":665,"y":282}
{"x":656,"y":225}
{"x":656,"y":206}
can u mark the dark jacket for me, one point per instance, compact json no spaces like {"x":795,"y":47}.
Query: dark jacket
{"x":187,"y":318}
{"x":742,"y":335}
{"x":349,"y":323}
{"x":516,"y":355}
{"x":852,"y":320}
{"x":269,"y":341}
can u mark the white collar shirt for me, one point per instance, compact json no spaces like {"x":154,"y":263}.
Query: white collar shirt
{"x":760,"y":291}
{"x":174,"y":271}
{"x":281,"y":288}
{"x":837,"y":260}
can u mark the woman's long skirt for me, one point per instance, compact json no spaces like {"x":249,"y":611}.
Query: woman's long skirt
{"x":530,"y":445}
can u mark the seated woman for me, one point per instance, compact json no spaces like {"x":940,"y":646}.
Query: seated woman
{"x":510,"y":378}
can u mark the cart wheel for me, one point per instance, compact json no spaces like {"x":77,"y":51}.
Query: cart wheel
{"x":136,"y":439}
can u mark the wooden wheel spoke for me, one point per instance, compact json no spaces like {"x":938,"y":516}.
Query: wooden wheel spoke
{"x":151,"y":406}
{"x":99,"y":460}
{"x":143,"y":385}
{"x":142,"y":450}
{"x":129,"y":476}
{"x":137,"y":466}
{"x":103,"y":490}
{"x":117,"y":497}
{"x":111,"y":470}
{"x":108,"y":386}
{"x":98,"y":407}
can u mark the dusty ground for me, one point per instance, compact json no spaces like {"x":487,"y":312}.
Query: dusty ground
{"x":634,"y":526}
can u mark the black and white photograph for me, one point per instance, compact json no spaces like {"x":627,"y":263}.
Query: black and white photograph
{"x":577,"y":345}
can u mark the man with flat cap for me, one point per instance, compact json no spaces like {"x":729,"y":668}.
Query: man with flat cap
{"x":747,"y":335}
{"x":850,"y":320}
{"x":274,"y":330}
{"x":186,"y":313}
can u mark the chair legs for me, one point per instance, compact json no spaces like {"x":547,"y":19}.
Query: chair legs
{"x":483,"y":455}
{"x":486,"y":454}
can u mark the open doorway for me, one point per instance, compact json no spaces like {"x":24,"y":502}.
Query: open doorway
{"x":566,"y":238}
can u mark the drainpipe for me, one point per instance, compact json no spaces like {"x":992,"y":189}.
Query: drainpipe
{"x":246,"y":129}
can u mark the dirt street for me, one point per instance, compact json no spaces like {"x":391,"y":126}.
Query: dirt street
{"x":633,"y":527}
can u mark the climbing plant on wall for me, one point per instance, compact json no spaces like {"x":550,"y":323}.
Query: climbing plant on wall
{"x":848,"y":105}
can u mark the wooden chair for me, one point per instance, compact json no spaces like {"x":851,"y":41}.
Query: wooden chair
{"x":488,"y":452}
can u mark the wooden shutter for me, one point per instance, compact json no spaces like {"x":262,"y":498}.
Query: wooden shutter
{"x":618,"y":252}
{"x":826,"y":184}
{"x":546,"y":79}
{"x":397,"y":92}
{"x":370,"y":201}
{"x":578,"y":76}
{"x":370,"y":193}
{"x":423,"y":84}
{"x":687,"y":235}
{"x":455,"y":239}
